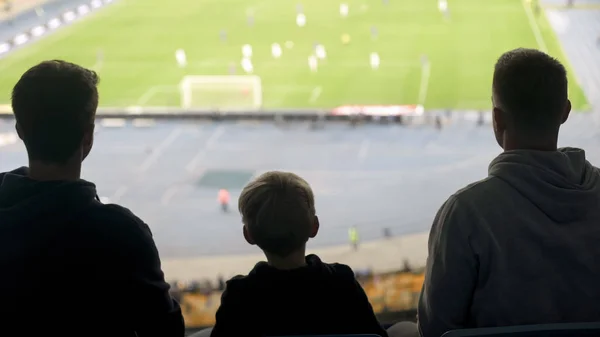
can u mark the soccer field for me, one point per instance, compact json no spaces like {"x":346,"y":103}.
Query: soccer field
{"x":138,"y":39}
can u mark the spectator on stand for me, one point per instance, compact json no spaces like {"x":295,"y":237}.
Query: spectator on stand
{"x":291,"y":293}
{"x":521,"y":246}
{"x":88,"y":268}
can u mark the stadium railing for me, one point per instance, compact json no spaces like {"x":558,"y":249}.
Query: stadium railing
{"x":538,"y":330}
{"x":357,"y":114}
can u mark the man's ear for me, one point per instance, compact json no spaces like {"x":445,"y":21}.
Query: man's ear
{"x":19,"y":131}
{"x":499,"y":118}
{"x":88,"y":141}
{"x":315,"y":228}
{"x":566,"y":113}
{"x":247,"y":236}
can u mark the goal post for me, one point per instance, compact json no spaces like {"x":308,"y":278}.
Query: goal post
{"x":221,"y":92}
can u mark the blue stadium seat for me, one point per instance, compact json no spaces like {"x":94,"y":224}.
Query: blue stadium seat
{"x":538,"y":330}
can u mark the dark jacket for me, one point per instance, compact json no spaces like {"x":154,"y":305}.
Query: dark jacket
{"x":71,"y":265}
{"x":318,"y":299}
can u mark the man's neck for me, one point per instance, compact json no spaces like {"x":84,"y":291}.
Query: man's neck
{"x":52,"y":172}
{"x":292,"y":261}
{"x":545,"y":143}
{"x":534,"y":147}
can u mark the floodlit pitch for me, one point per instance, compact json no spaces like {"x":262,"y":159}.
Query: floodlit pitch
{"x":140,"y":66}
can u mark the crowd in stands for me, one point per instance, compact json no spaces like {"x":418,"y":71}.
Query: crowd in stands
{"x":519,"y":247}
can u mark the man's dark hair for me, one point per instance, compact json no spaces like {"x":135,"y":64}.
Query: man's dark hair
{"x":54,"y":104}
{"x":532,"y":87}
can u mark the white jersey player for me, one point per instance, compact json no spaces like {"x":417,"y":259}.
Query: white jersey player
{"x":247,"y":51}
{"x":301,"y":20}
{"x":276,"y":50}
{"x":443,"y":7}
{"x":320,"y":52}
{"x":313,"y":63}
{"x":247,"y":65}
{"x":344,"y":9}
{"x":375,"y":61}
{"x":181,"y":58}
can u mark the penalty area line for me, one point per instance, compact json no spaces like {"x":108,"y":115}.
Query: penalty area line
{"x":315,"y":94}
{"x":425,"y":74}
{"x":535,"y":28}
{"x":150,"y":93}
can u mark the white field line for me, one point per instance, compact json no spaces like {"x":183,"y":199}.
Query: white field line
{"x":210,"y":143}
{"x":363,"y":150}
{"x":119,"y":193}
{"x":147,"y":96}
{"x":535,"y":27}
{"x":168,"y":195}
{"x":315,"y":94}
{"x":425,"y":73}
{"x":158,"y":151}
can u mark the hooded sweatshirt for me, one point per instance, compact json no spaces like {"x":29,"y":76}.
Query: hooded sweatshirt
{"x":69,"y":263}
{"x":519,"y":247}
{"x":317,"y":299}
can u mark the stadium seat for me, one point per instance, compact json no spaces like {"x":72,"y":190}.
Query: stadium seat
{"x":538,"y":330}
{"x":337,"y":336}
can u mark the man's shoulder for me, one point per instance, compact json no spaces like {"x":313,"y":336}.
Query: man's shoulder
{"x":115,"y":218}
{"x":477,"y":192}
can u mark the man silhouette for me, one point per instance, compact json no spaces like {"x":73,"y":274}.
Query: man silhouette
{"x":520,"y":246}
{"x":87,"y":268}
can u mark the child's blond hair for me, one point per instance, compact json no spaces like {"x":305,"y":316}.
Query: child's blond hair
{"x":278,"y":210}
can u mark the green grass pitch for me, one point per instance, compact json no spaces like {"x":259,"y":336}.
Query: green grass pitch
{"x":138,"y":39}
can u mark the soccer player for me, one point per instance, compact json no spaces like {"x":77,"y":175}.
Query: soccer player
{"x":313,"y":63}
{"x":299,"y":9}
{"x":181,"y":58}
{"x":276,"y":50}
{"x":375,"y":61}
{"x":344,"y":10}
{"x":232,"y":68}
{"x":320,"y":52}
{"x":374,"y":32}
{"x":301,"y":20}
{"x":247,"y":51}
{"x":223,"y":35}
{"x":247,"y":65}
{"x":443,"y":7}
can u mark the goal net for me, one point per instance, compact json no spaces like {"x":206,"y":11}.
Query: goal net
{"x":221,"y":92}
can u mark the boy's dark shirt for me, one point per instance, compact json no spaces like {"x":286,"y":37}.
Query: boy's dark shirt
{"x":73,"y":266}
{"x":318,"y":299}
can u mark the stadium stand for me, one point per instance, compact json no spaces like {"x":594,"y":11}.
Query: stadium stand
{"x":16,"y":8}
{"x":428,"y":171}
{"x":27,"y":14}
{"x":393,"y":296}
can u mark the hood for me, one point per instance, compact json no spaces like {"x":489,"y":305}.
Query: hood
{"x":23,"y":199}
{"x":562,"y":184}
